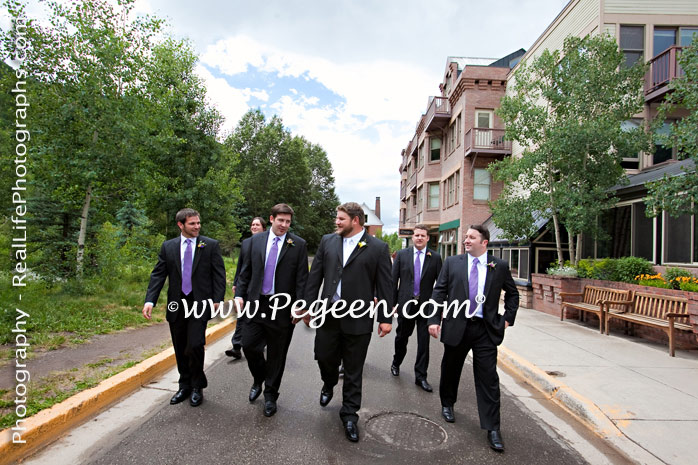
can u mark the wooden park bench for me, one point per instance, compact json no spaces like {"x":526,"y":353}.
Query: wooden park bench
{"x":656,"y":311}
{"x":593,"y":299}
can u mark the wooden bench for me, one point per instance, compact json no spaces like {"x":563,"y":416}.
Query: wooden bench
{"x":593,"y":299}
{"x":656,"y":311}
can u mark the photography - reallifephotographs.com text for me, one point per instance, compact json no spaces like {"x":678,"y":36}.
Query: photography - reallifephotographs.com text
{"x":19,"y":226}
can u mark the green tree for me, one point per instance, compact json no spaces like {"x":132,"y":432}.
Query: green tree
{"x":88,"y":111}
{"x":679,"y":194}
{"x":567,"y":108}
{"x":273,"y":166}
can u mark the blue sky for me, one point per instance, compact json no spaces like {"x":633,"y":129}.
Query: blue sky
{"x":352,"y":76}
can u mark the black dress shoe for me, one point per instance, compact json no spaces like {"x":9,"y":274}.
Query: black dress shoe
{"x":495,"y":440}
{"x":447,"y":413}
{"x":269,"y":408}
{"x":255,"y":391}
{"x":234,"y":352}
{"x":422,"y":383}
{"x":394,"y":370}
{"x":325,"y":396}
{"x":180,"y":396}
{"x":351,"y":431}
{"x":197,"y":396}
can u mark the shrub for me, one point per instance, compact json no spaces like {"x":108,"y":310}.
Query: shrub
{"x":690,"y":286}
{"x":671,"y":275}
{"x":585,"y":268}
{"x":628,"y":267}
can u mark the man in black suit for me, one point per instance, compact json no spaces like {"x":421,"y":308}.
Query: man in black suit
{"x":354,"y":267}
{"x":477,"y":278}
{"x":258,"y":225}
{"x":415,"y":270}
{"x":277,"y":263}
{"x":194,"y":266}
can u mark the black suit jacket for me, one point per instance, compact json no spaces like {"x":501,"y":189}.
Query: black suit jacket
{"x":207,"y":279}
{"x":365,"y":275}
{"x":291,"y":274}
{"x":244,"y":250}
{"x":452,"y":285}
{"x":403,"y":277}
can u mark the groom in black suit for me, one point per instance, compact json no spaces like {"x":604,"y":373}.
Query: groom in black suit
{"x":277,"y":263}
{"x":194,"y":266}
{"x":478,"y":278}
{"x":352,"y":266}
{"x":415,"y":270}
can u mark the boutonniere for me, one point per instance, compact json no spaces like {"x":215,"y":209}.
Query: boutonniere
{"x":492,"y":265}
{"x":201,"y":245}
{"x":290,"y":242}
{"x":428,"y":254}
{"x":362,"y":244}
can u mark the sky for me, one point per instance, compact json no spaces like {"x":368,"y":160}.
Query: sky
{"x":351,"y":76}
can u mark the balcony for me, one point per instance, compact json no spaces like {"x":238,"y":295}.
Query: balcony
{"x":662,"y":70}
{"x":438,"y":115}
{"x":485,"y":140}
{"x":403,"y":191}
{"x":412,"y":183}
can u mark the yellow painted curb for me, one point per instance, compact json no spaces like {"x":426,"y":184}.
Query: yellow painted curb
{"x":47,"y":425}
{"x":583,"y":409}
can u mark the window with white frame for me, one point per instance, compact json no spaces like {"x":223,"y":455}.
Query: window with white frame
{"x":433,"y":196}
{"x":481,"y":184}
{"x":632,"y":43}
{"x":435,"y":153}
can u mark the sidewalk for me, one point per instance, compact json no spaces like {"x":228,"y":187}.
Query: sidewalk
{"x":627,"y":389}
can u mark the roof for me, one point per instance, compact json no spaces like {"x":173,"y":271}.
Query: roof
{"x":497,"y":234}
{"x":371,"y":218}
{"x":470,"y":61}
{"x":670,"y":169}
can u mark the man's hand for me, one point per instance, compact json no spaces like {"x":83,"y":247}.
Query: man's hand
{"x":239,"y":304}
{"x":306,"y":319}
{"x":506,"y":324}
{"x":384,"y":328}
{"x":147,"y":310}
{"x":435,"y":330}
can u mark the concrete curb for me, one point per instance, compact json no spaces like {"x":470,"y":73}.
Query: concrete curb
{"x":47,"y":425}
{"x":581,"y":408}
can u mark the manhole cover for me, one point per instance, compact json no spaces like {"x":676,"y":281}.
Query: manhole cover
{"x":406,"y":430}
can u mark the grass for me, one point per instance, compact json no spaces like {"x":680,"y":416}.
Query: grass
{"x":71,"y":312}
{"x":51,"y":390}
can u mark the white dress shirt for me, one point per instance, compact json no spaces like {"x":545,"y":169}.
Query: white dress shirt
{"x":348,"y":246}
{"x":481,"y":276}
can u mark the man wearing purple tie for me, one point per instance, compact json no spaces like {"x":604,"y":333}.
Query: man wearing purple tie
{"x":415,"y":270}
{"x":194,"y":267}
{"x":277,"y":263}
{"x":478,"y":278}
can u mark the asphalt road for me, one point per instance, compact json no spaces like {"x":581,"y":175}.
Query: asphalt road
{"x":399,"y":424}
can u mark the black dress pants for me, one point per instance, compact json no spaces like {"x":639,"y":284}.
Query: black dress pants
{"x":405,"y":328}
{"x":484,"y":371}
{"x":188,"y":340}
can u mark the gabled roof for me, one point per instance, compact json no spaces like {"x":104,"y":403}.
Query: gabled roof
{"x":371,"y":218}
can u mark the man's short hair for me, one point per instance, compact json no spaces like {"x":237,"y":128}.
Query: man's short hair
{"x":354,"y":210}
{"x":422,"y":226}
{"x":184,"y":213}
{"x":281,"y":208}
{"x":482,"y":230}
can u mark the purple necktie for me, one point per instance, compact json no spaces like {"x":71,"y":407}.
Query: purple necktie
{"x":417,"y":273}
{"x":268,"y":282}
{"x":186,"y":269}
{"x":472,"y":286}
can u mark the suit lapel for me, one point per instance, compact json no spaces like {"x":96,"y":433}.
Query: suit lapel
{"x":427,"y":260}
{"x":197,"y":254}
{"x":410,"y":262}
{"x":466,"y":275}
{"x":284,"y":248}
{"x":357,"y":249}
{"x":177,"y":250}
{"x":489,"y":275}
{"x":262,"y":248}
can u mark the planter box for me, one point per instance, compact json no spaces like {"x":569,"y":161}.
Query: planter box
{"x":546,"y":298}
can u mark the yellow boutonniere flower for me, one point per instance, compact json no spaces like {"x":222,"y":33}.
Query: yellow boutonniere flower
{"x":201,"y":245}
{"x":362,"y":244}
{"x":290,"y":242}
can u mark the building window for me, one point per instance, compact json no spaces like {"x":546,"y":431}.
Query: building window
{"x":632,"y":43}
{"x":420,"y":198}
{"x":481,"y":183}
{"x":662,"y":152}
{"x":679,"y":240}
{"x":458,"y":131}
{"x":642,"y":233}
{"x":686,"y":35}
{"x":456,"y":178}
{"x":433,"y":196}
{"x":631,"y":161}
{"x":435,"y":154}
{"x":448,"y":242}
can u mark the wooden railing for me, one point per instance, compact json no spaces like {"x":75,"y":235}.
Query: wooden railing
{"x":663,"y":68}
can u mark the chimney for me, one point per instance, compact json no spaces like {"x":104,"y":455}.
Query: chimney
{"x":378,"y":207}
